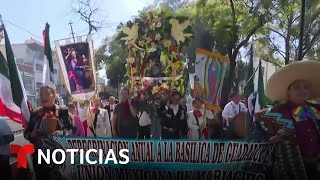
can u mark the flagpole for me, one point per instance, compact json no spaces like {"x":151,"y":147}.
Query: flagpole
{"x":250,"y":77}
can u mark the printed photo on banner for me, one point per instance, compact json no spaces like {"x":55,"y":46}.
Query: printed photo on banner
{"x":210,"y":70}
{"x":78,"y":66}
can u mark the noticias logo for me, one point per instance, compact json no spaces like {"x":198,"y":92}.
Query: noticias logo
{"x":59,"y":156}
{"x":84,"y":156}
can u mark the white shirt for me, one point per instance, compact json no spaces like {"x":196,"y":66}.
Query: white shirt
{"x":193,"y":124}
{"x":175,"y":108}
{"x":189,"y":103}
{"x":112,"y":110}
{"x":144,"y":119}
{"x":103,"y":126}
{"x":232,"y":109}
{"x":4,"y":130}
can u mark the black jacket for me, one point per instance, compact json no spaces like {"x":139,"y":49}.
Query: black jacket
{"x":177,"y":122}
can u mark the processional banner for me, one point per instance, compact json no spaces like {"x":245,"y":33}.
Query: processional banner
{"x":166,"y":159}
{"x":77,"y":66}
{"x":155,"y":44}
{"x":210,"y":70}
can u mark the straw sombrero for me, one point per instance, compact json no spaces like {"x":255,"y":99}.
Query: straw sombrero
{"x":277,"y":85}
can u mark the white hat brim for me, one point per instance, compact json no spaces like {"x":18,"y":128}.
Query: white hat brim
{"x":278,"y":83}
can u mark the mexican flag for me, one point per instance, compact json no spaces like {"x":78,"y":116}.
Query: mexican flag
{"x":261,"y":98}
{"x":13,"y":98}
{"x":249,"y":88}
{"x":48,"y":78}
{"x":83,"y":115}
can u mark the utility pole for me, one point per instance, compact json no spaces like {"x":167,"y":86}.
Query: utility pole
{"x":303,"y":11}
{"x":72,"y":33}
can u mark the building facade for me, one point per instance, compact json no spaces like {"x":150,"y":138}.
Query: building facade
{"x":29,"y":58}
{"x":101,"y":82}
{"x":267,"y":70}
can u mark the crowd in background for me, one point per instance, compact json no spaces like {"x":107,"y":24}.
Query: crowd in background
{"x":139,"y":116}
{"x":161,"y":116}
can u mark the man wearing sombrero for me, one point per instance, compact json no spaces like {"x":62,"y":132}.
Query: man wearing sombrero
{"x":294,"y":124}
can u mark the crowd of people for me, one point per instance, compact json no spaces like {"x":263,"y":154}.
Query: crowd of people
{"x":130,"y":117}
{"x":293,"y":124}
{"x":135,"y":117}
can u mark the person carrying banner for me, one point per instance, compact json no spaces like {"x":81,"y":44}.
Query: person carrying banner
{"x":124,"y":120}
{"x":230,"y":111}
{"x":45,"y":121}
{"x":294,"y":123}
{"x":99,"y":119}
{"x":173,"y":118}
{"x":197,"y":120}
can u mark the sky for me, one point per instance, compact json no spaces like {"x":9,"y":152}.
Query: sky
{"x":31,"y":15}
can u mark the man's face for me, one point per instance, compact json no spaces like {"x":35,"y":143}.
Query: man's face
{"x":299,"y":91}
{"x":175,"y":99}
{"x":112,"y":100}
{"x":197,"y":104}
{"x":125,"y":95}
{"x":96,"y":103}
{"x":47,"y":97}
{"x":236,"y":98}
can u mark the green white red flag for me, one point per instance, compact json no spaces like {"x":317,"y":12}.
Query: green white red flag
{"x":261,"y":101}
{"x":13,"y":98}
{"x":249,"y":88}
{"x":48,"y":78}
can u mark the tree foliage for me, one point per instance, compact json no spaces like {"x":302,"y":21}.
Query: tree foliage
{"x":112,"y":56}
{"x":232,"y":24}
{"x":281,"y":34}
{"x":228,"y":26}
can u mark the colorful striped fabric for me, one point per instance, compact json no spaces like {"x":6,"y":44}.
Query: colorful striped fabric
{"x":301,"y":113}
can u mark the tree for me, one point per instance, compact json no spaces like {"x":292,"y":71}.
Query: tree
{"x":241,"y":73}
{"x":100,"y":54}
{"x":172,"y":4}
{"x":232,"y":24}
{"x":202,"y":37}
{"x":284,"y":28}
{"x":89,"y":12}
{"x":112,"y":55}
